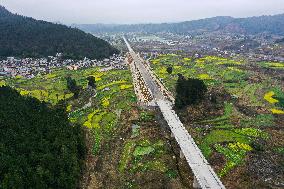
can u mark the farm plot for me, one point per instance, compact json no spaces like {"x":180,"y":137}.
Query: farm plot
{"x":252,"y":110}
{"x":126,"y":146}
{"x":114,"y":94}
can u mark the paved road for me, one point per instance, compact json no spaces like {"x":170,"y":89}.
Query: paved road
{"x":204,"y":174}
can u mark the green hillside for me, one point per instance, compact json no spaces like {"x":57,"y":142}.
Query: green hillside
{"x":26,"y":37}
{"x":39,"y":147}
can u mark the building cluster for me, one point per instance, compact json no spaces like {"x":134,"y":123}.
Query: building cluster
{"x":30,"y":67}
{"x":254,"y":48}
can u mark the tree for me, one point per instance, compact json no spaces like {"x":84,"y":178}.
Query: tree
{"x":170,"y":70}
{"x":92,"y":82}
{"x":72,"y":86}
{"x":40,"y":148}
{"x":189,"y":91}
{"x":26,"y":37}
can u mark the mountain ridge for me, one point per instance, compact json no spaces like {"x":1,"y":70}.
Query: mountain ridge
{"x":252,"y":25}
{"x":27,"y":37}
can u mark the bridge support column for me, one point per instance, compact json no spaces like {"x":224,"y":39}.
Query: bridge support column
{"x":181,"y":155}
{"x":195,"y":183}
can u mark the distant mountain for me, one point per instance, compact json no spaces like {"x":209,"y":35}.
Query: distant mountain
{"x":27,"y":37}
{"x":281,"y":41}
{"x":253,"y":25}
{"x":208,"y":24}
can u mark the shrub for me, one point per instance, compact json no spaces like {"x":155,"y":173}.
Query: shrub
{"x":92,"y":82}
{"x":170,"y":70}
{"x":72,"y":86}
{"x":189,"y":91}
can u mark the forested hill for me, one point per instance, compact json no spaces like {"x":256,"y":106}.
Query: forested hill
{"x":26,"y":37}
{"x":252,"y":25}
{"x":39,"y":147}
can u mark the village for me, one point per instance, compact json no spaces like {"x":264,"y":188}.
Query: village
{"x":31,"y":67}
{"x":251,"y":48}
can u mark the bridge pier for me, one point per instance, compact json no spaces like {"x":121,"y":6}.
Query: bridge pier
{"x":195,"y":183}
{"x":181,"y":155}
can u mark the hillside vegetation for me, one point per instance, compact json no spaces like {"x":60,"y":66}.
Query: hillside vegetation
{"x":127,"y":147}
{"x":39,"y":147}
{"x":26,"y":37}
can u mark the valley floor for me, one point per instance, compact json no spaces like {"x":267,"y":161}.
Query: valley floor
{"x":128,"y":147}
{"x":239,"y":127}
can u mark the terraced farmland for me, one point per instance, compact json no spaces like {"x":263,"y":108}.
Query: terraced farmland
{"x":239,"y":127}
{"x":241,"y":119}
{"x":126,"y":145}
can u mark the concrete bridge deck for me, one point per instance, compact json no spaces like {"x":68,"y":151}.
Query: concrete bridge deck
{"x":205,"y":176}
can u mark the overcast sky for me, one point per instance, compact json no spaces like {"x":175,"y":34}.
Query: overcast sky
{"x":139,"y":11}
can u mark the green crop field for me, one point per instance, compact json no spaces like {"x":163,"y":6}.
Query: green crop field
{"x":250,"y":108}
{"x":101,"y":118}
{"x":106,"y":120}
{"x":233,"y":133}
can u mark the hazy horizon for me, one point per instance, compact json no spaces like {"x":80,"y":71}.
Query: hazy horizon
{"x":138,"y":11}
